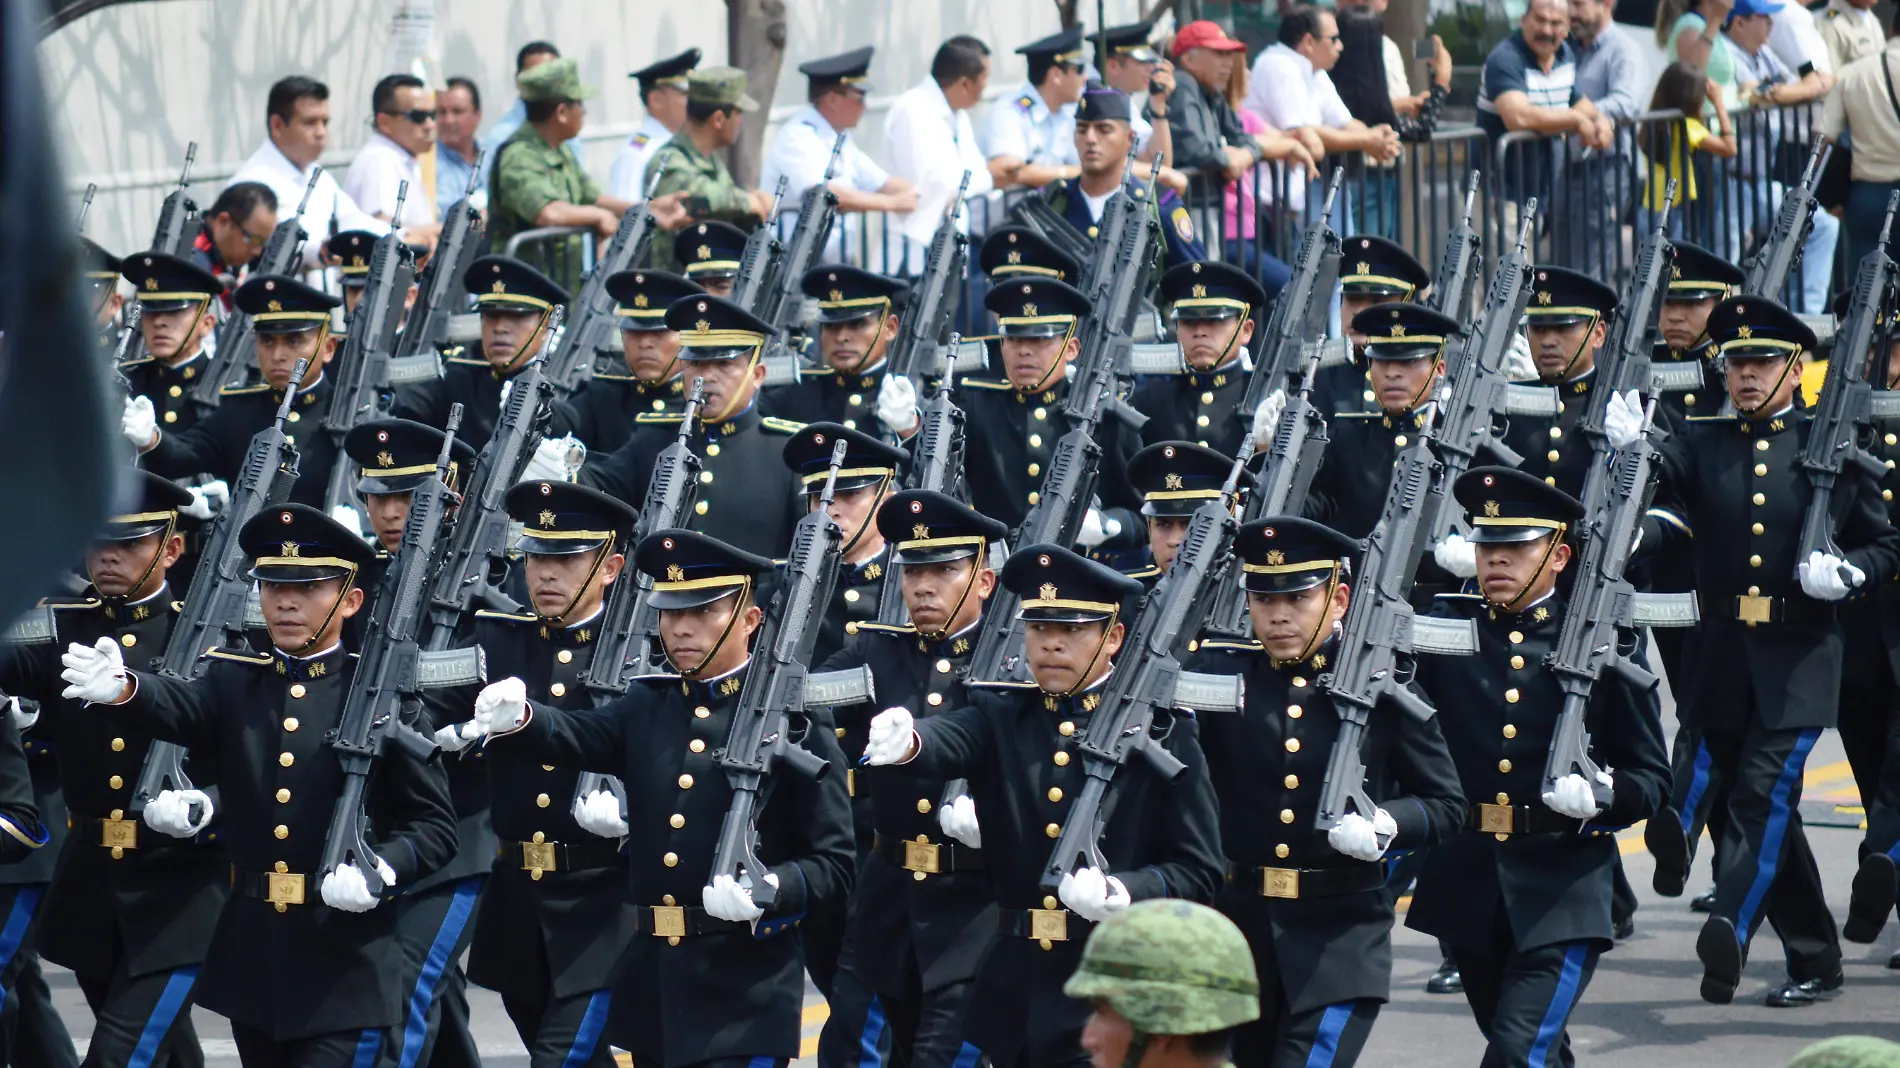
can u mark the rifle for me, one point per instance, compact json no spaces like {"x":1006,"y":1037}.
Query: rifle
{"x":1462,"y":262}
{"x":131,"y":339}
{"x":594,"y":327}
{"x":1375,"y":663}
{"x":927,"y":316}
{"x":758,"y":263}
{"x":1623,"y":363}
{"x":1144,"y":682}
{"x":1780,"y":254}
{"x":1035,"y":213}
{"x":760,"y":740}
{"x":213,"y":615}
{"x":1299,"y":315}
{"x":236,"y":339}
{"x":440,"y":293}
{"x":85,"y":207}
{"x":362,"y":367}
{"x":173,"y":234}
{"x":782,"y":304}
{"x":938,"y":466}
{"x":392,"y":672}
{"x":1845,"y":406}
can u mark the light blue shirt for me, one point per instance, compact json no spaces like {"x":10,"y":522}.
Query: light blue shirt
{"x":452,"y":178}
{"x":1021,"y":125}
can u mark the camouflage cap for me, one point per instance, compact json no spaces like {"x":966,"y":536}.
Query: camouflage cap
{"x":1170,"y":967}
{"x":555,"y":80}
{"x":1849,"y":1051}
{"x":719,"y":85}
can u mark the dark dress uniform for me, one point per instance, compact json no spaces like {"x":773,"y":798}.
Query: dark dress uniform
{"x":393,"y":456}
{"x":1370,"y":267}
{"x":694,"y":988}
{"x":1552,"y":448}
{"x":746,"y":497}
{"x":1016,"y":746}
{"x":500,"y":284}
{"x":1523,"y":893}
{"x":167,"y":284}
{"x":868,"y":463}
{"x":830,"y":394}
{"x":602,"y":412}
{"x":1696,"y":274}
{"x":708,"y":253}
{"x":31,"y":1031}
{"x":217,"y":444}
{"x":1737,"y":484}
{"x":1320,"y":922}
{"x":260,"y":722}
{"x":1202,"y":405}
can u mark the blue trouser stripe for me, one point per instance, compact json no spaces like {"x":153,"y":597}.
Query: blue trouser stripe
{"x":368,"y":1048}
{"x":593,"y":1022}
{"x":1326,"y":1043}
{"x":170,"y":1001}
{"x":1768,"y":857}
{"x":25,"y":900}
{"x":762,"y":1062}
{"x":1894,"y":853}
{"x":1698,"y":785}
{"x":967,"y":1057}
{"x":417,"y":1028}
{"x":1569,"y":986}
{"x":867,"y":1039}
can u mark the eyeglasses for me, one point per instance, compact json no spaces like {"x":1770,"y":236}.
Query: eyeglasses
{"x":415,"y":115}
{"x":253,"y":240}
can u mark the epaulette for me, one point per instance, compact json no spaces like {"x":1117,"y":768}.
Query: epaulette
{"x":1671,"y":518}
{"x":780,"y":426}
{"x":818,"y":372}
{"x":1358,"y":415}
{"x":60,"y":602}
{"x":253,"y":659}
{"x":602,"y":376}
{"x":467,"y":361}
{"x":512,"y":617}
{"x":1147,"y":572}
{"x":1026,"y":102}
{"x":982,"y":383}
{"x":137,"y":361}
{"x":1717,"y":418}
{"x":660,"y":418}
{"x":234,"y":391}
{"x":178,"y":606}
{"x":1004,"y":686}
{"x":1232,"y":645}
{"x":886,"y":628}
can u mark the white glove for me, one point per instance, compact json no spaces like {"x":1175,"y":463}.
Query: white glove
{"x":507,"y":387}
{"x":500,"y":707}
{"x":555,"y":460}
{"x":1358,"y":837}
{"x":207,"y":500}
{"x":1266,"y":418}
{"x":599,"y":813}
{"x":1457,"y":555}
{"x":1571,"y":796}
{"x":348,"y":516}
{"x":1518,"y":365}
{"x":139,"y":423}
{"x":897,"y":404}
{"x":23,"y":720}
{"x":96,"y":672}
{"x":170,"y":812}
{"x":346,"y":890}
{"x":1097,"y":529}
{"x":1821,"y":579}
{"x":458,"y":736}
{"x":1091,"y":895}
{"x":889,"y":739}
{"x":725,"y":899}
{"x":1623,"y":419}
{"x":958,"y":820}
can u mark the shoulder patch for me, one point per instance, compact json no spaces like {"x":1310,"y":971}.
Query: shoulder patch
{"x":780,"y":426}
{"x":667,"y":418}
{"x":982,"y":383}
{"x":253,"y":659}
{"x":1026,"y":102}
{"x":512,"y":617}
{"x":1183,"y":225}
{"x":868,"y":627}
{"x":639,"y":140}
{"x":234,"y":391}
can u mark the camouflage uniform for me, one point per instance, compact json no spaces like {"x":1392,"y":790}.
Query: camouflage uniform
{"x":711,"y":192}
{"x":529,"y":174}
{"x":1169,"y":967}
{"x":1849,"y":1051}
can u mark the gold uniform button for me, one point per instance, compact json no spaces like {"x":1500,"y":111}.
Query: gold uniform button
{"x":1065,"y":728}
{"x":668,"y":901}
{"x":697,"y":745}
{"x":565,"y":656}
{"x":839,"y":731}
{"x":1550,"y":480}
{"x":1889,"y":439}
{"x":1756,"y":528}
{"x":1292,"y":745}
{"x":933,"y":700}
{"x":1034,"y":496}
{"x":291,"y":724}
{"x":1369,"y":395}
{"x":1401,"y":441}
{"x":1286,"y":815}
{"x":1504,"y":799}
{"x":1510,"y":730}
{"x":118,"y":745}
{"x":1206,"y":398}
{"x":1517,"y":663}
{"x":178,"y":391}
{"x":851,"y":596}
{"x":1511,"y":695}
{"x":559,"y":689}
{"x":1292,"y":782}
{"x":1754,"y":561}
{"x":1759,"y":499}
{"x":282,"y":832}
{"x":676,"y":821}
{"x":1504,"y":765}
{"x":1052,"y":830}
{"x":128,"y":640}
{"x":855,"y":398}
{"x":705,"y":478}
{"x":923,"y":804}
{"x":1049,"y":902}
{"x":1886,"y":495}
{"x":1299,"y":681}
{"x":547,"y":767}
{"x":542,"y":800}
{"x":297,"y":690}
{"x":1294,"y":711}
{"x":943,"y":667}
{"x":172,"y":417}
{"x":1035,"y":470}
{"x":700,"y":508}
{"x":702,"y":712}
{"x":712,"y":449}
{"x":1689,"y":399}
{"x":1762,"y":445}
{"x":286,"y":759}
{"x":280,"y":867}
{"x":1055,"y":793}
{"x":1761,"y":469}
{"x":1281,"y":851}
{"x":1556,"y":433}
{"x":686,"y":782}
{"x":1517,"y":637}
{"x":671,"y":860}
{"x":283,"y":797}
{"x":296,"y":417}
{"x":659,"y":405}
{"x":116,"y":782}
{"x":1062,"y":760}
{"x":1040,"y":414}
{"x":1553,"y":456}
{"x":1035,"y":441}
{"x":1200,"y":420}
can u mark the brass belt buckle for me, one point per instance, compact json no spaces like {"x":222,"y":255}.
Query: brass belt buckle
{"x":669,"y":921}
{"x":1752,"y":609}
{"x":283,"y":890}
{"x":1280,"y":883}
{"x":922,"y":857}
{"x":537,"y":857}
{"x":119,"y":834}
{"x":1049,"y":925}
{"x":1496,"y":819}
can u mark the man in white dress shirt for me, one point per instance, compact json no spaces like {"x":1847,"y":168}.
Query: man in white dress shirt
{"x":1292,"y":92}
{"x":1030,"y":134}
{"x":405,"y":129}
{"x":930,"y":142}
{"x":298,"y":113}
{"x":663,"y":94}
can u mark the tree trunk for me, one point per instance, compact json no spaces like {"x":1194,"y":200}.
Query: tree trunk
{"x":1405,"y":23}
{"x":1065,"y":12}
{"x":755,"y":41}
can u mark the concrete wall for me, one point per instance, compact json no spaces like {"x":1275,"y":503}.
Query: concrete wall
{"x":135,"y":83}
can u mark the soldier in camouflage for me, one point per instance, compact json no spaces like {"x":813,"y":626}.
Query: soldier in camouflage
{"x":1170,"y":981}
{"x":715,"y":100}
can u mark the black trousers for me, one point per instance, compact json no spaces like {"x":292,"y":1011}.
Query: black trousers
{"x":434,"y":927}
{"x":1522,"y":998}
{"x":1331,"y":1036}
{"x":31,"y":1031}
{"x":144,"y":1019}
{"x":1698,"y":794}
{"x":339,"y":1049}
{"x":857,"y":1033}
{"x":1766,"y":869}
{"x":926,"y":1027}
{"x":563,"y":1032}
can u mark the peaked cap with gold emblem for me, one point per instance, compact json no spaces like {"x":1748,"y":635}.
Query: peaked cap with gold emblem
{"x":642,"y":297}
{"x":1060,"y":586}
{"x":1698,"y":274}
{"x":397,"y":455}
{"x":352,"y":250}
{"x":714,"y":328}
{"x":1175,"y":478}
{"x":689,"y":569}
{"x":1286,"y":554}
{"x":1376,"y":267}
{"x":1210,"y":290}
{"x":562,"y":518}
{"x":298,"y":543}
{"x":867,"y":460}
{"x":928,"y":527}
{"x":845,"y":293}
{"x":1563,"y":297}
{"x":278,"y":304}
{"x":503,"y":283}
{"x":168,"y":283}
{"x":1758,"y":327}
{"x":1403,"y":331}
{"x":98,"y":266}
{"x":1036,"y":307}
{"x":710,"y":249}
{"x":1504,"y":504}
{"x":152,"y":505}
{"x":1015,"y":250}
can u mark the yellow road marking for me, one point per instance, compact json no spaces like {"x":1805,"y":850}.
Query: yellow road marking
{"x":815,"y":1015}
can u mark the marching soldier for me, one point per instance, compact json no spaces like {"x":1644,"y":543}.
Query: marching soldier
{"x":1567,"y":318}
{"x":1522,"y":893}
{"x":922,"y":911}
{"x":175,"y":314}
{"x":1738,"y":484}
{"x":857,"y":321}
{"x":351,"y":251}
{"x":393,"y":458}
{"x":292,"y":322}
{"x":716,"y":102}
{"x":34,"y":1034}
{"x":300,"y":986}
{"x":555,"y":918}
{"x":101,"y":274}
{"x":1016,"y":746}
{"x":864,"y":483}
{"x":1372,"y":270}
{"x":129,"y":911}
{"x":1214,"y":310}
{"x":1013,"y":250}
{"x":746,"y":497}
{"x":709,"y":253}
{"x":515,"y":302}
{"x":709,"y":973}
{"x":1173,"y":479}
{"x":1103,"y":137}
{"x":1699,"y":279}
{"x":1314,"y":905}
{"x":602,"y":414}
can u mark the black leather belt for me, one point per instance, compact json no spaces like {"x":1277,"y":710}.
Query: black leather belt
{"x":282,"y":889}
{"x":1294,"y":883}
{"x":539,"y":857}
{"x":681,"y":921}
{"x":1756,"y":610}
{"x":1506,"y":820}
{"x":1048,"y":926}
{"x":928,"y":858}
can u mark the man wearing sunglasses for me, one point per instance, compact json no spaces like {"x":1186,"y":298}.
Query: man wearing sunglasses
{"x":404,"y":118}
{"x":1029,"y":136}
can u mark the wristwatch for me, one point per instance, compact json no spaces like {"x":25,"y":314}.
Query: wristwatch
{"x":1149,"y":114}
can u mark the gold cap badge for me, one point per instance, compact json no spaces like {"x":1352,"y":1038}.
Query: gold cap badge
{"x":1048,"y":591}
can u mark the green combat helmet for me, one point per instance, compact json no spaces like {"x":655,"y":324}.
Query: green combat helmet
{"x":1849,"y":1051}
{"x":1169,"y":968}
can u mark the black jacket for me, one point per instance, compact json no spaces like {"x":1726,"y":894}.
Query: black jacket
{"x":216,"y":445}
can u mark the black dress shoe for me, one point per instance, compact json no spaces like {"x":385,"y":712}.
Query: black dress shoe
{"x":1446,"y":979}
{"x":1871,"y":900}
{"x":1894,"y":961}
{"x":1703,"y":902}
{"x":1793,"y":995}
{"x":1625,"y":928}
{"x":1663,"y":836}
{"x":1721,"y":957}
